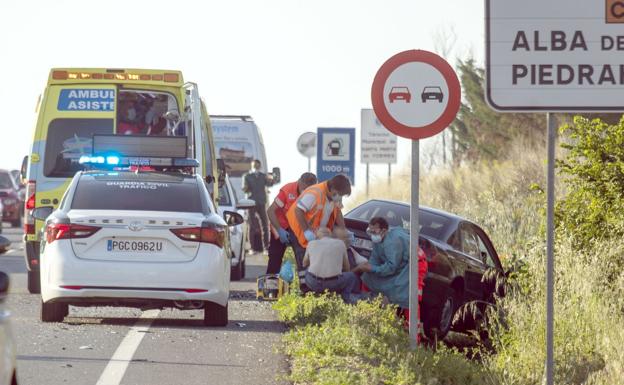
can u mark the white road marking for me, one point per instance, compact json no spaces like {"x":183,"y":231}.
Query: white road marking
{"x":116,"y":368}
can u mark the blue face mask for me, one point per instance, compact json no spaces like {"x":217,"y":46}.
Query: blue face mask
{"x":376,"y":238}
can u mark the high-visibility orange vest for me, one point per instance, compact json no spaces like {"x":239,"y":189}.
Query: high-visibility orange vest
{"x":314,"y":215}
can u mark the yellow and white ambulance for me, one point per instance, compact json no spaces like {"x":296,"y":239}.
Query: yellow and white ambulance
{"x":78,"y":103}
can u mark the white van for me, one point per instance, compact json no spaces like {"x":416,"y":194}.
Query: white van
{"x":238,"y":141}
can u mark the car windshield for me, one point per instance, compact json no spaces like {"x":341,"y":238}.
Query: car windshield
{"x":432,"y":225}
{"x":144,"y":194}
{"x":400,"y":89}
{"x":236,"y":155}
{"x":432,"y":89}
{"x":5,"y":180}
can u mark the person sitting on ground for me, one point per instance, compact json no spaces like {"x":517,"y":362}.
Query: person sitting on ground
{"x":328,"y":266}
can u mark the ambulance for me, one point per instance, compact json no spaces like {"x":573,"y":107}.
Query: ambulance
{"x":79,"y":103}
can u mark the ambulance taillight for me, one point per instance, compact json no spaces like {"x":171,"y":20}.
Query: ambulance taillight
{"x":29,"y":221}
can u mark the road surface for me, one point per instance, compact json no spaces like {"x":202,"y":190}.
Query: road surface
{"x":110,"y":346}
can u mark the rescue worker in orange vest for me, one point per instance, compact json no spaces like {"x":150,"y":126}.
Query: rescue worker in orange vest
{"x":286,"y":197}
{"x":318,"y":206}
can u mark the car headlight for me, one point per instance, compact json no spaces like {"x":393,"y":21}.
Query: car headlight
{"x":9,"y":201}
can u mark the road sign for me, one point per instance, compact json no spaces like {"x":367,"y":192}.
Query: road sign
{"x":377,"y":144}
{"x":306,"y":144}
{"x":335,"y":153}
{"x":556,"y":55}
{"x":416,"y":94}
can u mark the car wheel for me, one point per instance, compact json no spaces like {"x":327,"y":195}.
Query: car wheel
{"x":438,"y":323}
{"x":53,"y":312}
{"x":215,"y":314}
{"x":34,"y":282}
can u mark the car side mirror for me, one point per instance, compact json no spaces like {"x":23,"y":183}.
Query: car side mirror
{"x":4,"y":285}
{"x":42,"y":213}
{"x":232,"y":218}
{"x":246,"y":204}
{"x":277,"y":175}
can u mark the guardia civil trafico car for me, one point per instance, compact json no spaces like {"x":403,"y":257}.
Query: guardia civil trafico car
{"x":136,"y":231}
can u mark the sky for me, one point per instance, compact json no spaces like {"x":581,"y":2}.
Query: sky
{"x":292,"y":65}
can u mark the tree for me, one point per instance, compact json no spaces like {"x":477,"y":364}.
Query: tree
{"x":482,"y":133}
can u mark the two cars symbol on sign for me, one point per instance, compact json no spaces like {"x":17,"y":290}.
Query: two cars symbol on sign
{"x":428,"y":93}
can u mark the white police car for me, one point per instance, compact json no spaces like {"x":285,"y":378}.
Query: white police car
{"x":136,"y":238}
{"x":7,"y":342}
{"x":228,"y":201}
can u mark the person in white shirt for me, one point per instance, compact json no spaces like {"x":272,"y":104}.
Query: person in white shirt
{"x":328,"y":266}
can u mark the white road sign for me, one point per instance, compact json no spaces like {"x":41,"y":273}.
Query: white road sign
{"x":377,"y":144}
{"x":555,"y":55}
{"x":306,"y":144}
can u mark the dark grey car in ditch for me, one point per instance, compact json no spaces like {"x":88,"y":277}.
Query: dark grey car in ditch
{"x":459,"y":253}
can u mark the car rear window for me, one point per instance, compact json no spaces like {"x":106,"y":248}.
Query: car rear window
{"x":432,"y":225}
{"x":93,"y":194}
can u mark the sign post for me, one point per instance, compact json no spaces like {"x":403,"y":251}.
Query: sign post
{"x":377,"y":144}
{"x":335,"y":153}
{"x":306,"y":145}
{"x":555,"y":56}
{"x":415,"y":94}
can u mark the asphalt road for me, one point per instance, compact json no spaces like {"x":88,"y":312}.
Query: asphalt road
{"x":105,"y":345}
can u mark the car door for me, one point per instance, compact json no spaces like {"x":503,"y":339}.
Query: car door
{"x":470,"y":252}
{"x":490,"y":260}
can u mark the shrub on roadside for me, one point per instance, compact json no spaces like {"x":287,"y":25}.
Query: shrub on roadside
{"x":364,"y":344}
{"x":593,"y":171}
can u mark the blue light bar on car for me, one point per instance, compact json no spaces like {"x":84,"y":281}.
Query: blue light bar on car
{"x":108,"y":161}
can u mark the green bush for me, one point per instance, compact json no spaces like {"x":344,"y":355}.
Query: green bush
{"x":364,"y":344}
{"x":593,"y":168}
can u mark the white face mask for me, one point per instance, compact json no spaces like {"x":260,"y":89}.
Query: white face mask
{"x":337,"y":198}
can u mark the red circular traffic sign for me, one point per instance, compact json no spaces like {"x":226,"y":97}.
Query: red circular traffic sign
{"x":416,"y":94}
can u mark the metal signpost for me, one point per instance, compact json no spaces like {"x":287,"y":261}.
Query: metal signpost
{"x":377,"y":144}
{"x":335,"y":153}
{"x":415,"y":94}
{"x":306,"y":145}
{"x":554,"y":56}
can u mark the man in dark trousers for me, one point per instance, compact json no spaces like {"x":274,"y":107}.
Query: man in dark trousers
{"x":255,"y":184}
{"x":286,"y":197}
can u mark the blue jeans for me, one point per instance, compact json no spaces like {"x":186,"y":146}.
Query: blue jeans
{"x":344,"y":284}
